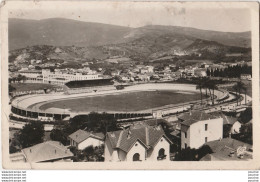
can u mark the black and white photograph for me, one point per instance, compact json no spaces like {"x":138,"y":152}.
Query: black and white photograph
{"x":133,"y":83}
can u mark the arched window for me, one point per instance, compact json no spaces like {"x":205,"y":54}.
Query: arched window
{"x":161,"y":154}
{"x":136,"y":157}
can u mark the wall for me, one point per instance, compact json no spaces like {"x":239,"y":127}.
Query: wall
{"x":88,"y":142}
{"x":183,"y":139}
{"x":122,"y":155}
{"x":111,"y":155}
{"x":108,"y":150}
{"x":162,"y":143}
{"x":136,"y":149}
{"x":236,"y":128}
{"x":198,"y":133}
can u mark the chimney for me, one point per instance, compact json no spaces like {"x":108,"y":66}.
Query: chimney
{"x":229,"y":135}
{"x":128,"y":134}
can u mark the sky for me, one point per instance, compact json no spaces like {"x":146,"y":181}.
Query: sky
{"x":214,"y":18}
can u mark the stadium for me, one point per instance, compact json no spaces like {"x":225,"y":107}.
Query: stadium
{"x":83,"y":97}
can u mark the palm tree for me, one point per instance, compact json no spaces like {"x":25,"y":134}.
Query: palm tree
{"x":240,"y":86}
{"x":199,"y":86}
{"x":245,"y":89}
{"x":211,"y":84}
{"x":205,"y":86}
{"x":235,"y":87}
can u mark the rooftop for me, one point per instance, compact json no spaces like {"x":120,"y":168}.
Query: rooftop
{"x":89,"y":83}
{"x":147,"y":135}
{"x":81,"y":135}
{"x":195,"y":116}
{"x":46,"y":151}
{"x":222,"y":149}
{"x":226,"y":119}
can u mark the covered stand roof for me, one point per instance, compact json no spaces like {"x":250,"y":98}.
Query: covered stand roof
{"x":89,"y":83}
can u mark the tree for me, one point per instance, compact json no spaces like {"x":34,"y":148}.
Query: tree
{"x":211,"y":85}
{"x":199,"y":86}
{"x":245,"y":116}
{"x":192,"y":154}
{"x":101,"y":122}
{"x":246,"y":133}
{"x":11,"y":89}
{"x":204,"y":150}
{"x":238,"y":87}
{"x":31,"y":134}
{"x":21,"y":78}
{"x":94,"y":122}
{"x":59,"y":135}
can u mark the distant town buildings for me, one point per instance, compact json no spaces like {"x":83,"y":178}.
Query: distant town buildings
{"x":61,"y":78}
{"x":32,"y":75}
{"x":246,"y":76}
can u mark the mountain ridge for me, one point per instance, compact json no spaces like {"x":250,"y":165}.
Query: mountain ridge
{"x":67,"y":32}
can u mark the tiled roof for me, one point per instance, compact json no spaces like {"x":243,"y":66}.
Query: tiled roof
{"x":46,"y":151}
{"x":222,"y":148}
{"x":154,"y":122}
{"x":195,"y":116}
{"x":81,"y":135}
{"x":226,"y":119}
{"x":125,"y":139}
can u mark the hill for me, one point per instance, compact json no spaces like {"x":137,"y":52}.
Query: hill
{"x":67,"y":32}
{"x":61,"y":32}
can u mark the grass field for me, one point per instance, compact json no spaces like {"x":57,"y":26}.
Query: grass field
{"x":133,"y":101}
{"x":32,"y":86}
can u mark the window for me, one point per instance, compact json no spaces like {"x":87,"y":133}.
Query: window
{"x":185,"y":145}
{"x":206,"y":127}
{"x":185,"y":134}
{"x":206,"y":139}
{"x":136,"y":157}
{"x":161,"y":154}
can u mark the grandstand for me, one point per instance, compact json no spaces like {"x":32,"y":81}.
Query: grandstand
{"x":86,"y":86}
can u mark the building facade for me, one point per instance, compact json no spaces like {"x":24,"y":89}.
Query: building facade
{"x":60,"y":78}
{"x":198,"y":128}
{"x":82,"y":139}
{"x":138,"y":143}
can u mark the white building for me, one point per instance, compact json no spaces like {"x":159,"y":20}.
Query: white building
{"x":138,"y":143}
{"x":60,"y":78}
{"x":32,"y":75}
{"x":245,"y":76}
{"x":150,"y":69}
{"x":200,"y":72}
{"x":198,"y":127}
{"x":82,"y":139}
{"x":49,"y":151}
